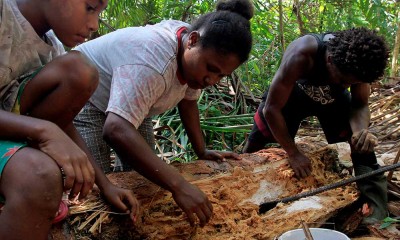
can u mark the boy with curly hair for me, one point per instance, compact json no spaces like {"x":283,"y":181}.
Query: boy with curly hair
{"x":327,"y":76}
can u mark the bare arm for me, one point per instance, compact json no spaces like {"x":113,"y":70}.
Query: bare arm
{"x":22,"y":128}
{"x":189,"y":114}
{"x":50,"y":139}
{"x":360,"y":115}
{"x":130,"y":145}
{"x":362,"y":140}
{"x":121,"y":198}
{"x":296,"y":62}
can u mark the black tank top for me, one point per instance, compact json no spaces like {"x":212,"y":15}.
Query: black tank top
{"x":316,"y":86}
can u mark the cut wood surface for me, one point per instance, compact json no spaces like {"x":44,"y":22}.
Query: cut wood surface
{"x":235,"y":188}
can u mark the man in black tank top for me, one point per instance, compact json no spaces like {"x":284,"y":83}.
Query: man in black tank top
{"x":327,"y":76}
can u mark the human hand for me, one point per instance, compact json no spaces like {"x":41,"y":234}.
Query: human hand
{"x":75,"y":165}
{"x":193,"y":201}
{"x":218,"y":155}
{"x":123,"y":199}
{"x":300,"y":164}
{"x":363,"y":141}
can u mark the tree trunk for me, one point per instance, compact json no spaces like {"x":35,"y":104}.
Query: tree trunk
{"x":296,"y":10}
{"x":235,"y":189}
{"x":396,"y":49}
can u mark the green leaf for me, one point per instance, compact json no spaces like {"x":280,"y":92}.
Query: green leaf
{"x":385,"y":225}
{"x":391,"y":220}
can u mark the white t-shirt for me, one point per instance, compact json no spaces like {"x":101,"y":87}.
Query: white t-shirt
{"x":138,"y":71}
{"x":21,"y":50}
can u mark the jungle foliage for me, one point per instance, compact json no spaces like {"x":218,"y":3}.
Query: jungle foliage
{"x":227,"y":109}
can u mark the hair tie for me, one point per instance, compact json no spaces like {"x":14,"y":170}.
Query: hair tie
{"x":219,"y":21}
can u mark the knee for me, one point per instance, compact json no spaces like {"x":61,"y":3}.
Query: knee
{"x":44,"y":168}
{"x":46,"y":173}
{"x":41,"y":181}
{"x":81,"y":73}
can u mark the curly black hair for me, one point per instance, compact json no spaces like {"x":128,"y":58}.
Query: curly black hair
{"x":227,"y":30}
{"x":359,"y":52}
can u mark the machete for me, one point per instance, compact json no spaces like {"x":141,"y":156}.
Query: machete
{"x":266,"y":206}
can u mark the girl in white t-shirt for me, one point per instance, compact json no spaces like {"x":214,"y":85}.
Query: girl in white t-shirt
{"x":145,"y":71}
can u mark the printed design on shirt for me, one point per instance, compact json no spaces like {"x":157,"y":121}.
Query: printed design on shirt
{"x":321,"y":94}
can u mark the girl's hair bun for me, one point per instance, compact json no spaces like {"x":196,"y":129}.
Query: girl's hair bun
{"x":242,"y":7}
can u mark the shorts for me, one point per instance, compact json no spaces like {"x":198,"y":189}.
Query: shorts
{"x":11,"y":95}
{"x":333,"y":117}
{"x":90,"y":122}
{"x":7,"y":150}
